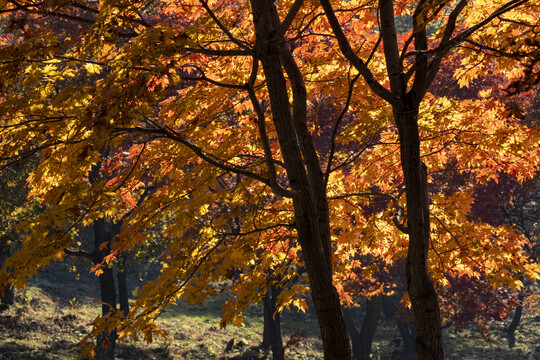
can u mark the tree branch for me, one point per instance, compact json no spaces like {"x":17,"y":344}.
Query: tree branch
{"x":336,"y":128}
{"x":209,"y":158}
{"x":296,"y":6}
{"x":223,"y":28}
{"x":396,"y":219}
{"x":278,"y":189}
{"x":348,"y":52}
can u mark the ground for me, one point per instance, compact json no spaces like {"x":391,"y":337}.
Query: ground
{"x":43,"y":325}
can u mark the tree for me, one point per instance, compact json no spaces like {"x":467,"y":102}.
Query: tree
{"x":409,"y":82}
{"x":253,"y":122}
{"x":100,"y":114}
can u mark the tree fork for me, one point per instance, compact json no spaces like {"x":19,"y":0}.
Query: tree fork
{"x":336,"y":344}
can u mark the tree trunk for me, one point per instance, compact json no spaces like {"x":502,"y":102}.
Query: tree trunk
{"x":516,"y":320}
{"x":7,"y":296}
{"x":305,"y":179}
{"x":407,"y":332}
{"x":362,"y":341}
{"x":121,"y":277}
{"x":272,"y":325}
{"x":106,"y":342}
{"x":421,"y":290}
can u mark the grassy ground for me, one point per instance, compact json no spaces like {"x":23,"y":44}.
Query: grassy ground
{"x":44,"y":325}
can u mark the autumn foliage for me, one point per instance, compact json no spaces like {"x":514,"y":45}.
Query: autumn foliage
{"x":273,"y":143}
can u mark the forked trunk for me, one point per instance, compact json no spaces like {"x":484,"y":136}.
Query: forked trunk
{"x":305,"y":178}
{"x":362,"y":341}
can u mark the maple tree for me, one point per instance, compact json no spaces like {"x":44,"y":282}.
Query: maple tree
{"x":410,"y":74}
{"x":270,"y":157}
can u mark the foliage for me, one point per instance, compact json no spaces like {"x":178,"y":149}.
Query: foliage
{"x":180,"y":96}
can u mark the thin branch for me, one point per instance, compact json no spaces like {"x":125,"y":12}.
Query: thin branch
{"x":349,"y":53}
{"x":457,"y":241}
{"x":80,"y":253}
{"x":223,"y":28}
{"x":296,"y":6}
{"x":203,"y":77}
{"x":214,"y":52}
{"x":396,"y":219}
{"x":266,"y":147}
{"x":209,"y":158}
{"x":258,"y":230}
{"x":336,"y":128}
{"x":448,"y":42}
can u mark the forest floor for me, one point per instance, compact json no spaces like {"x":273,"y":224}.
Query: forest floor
{"x":53,"y":314}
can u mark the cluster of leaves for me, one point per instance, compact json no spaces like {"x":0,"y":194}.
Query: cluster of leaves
{"x":170,"y":95}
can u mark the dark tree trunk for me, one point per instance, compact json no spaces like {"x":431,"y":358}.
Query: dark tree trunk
{"x":406,"y":330}
{"x":272,"y":325}
{"x":106,"y":342}
{"x":354,"y":334}
{"x":7,"y":299}
{"x":369,"y":326}
{"x":305,"y":178}
{"x":362,"y":341}
{"x":7,"y":296}
{"x":121,"y":277}
{"x":421,"y":290}
{"x":516,"y":320}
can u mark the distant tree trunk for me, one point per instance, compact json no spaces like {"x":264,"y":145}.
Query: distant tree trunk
{"x":7,"y":297}
{"x":121,"y":277}
{"x":106,"y":342}
{"x":510,"y":332}
{"x":272,"y":325}
{"x":407,"y":332}
{"x":362,"y":341}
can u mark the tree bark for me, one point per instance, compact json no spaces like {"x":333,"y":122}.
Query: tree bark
{"x":421,"y":290}
{"x":407,"y":332}
{"x":304,"y":175}
{"x":272,"y":325}
{"x":106,"y":342}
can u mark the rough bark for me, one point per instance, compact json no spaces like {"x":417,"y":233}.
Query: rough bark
{"x":406,"y":109}
{"x":272,"y":325}
{"x":421,"y":290}
{"x":308,"y":201}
